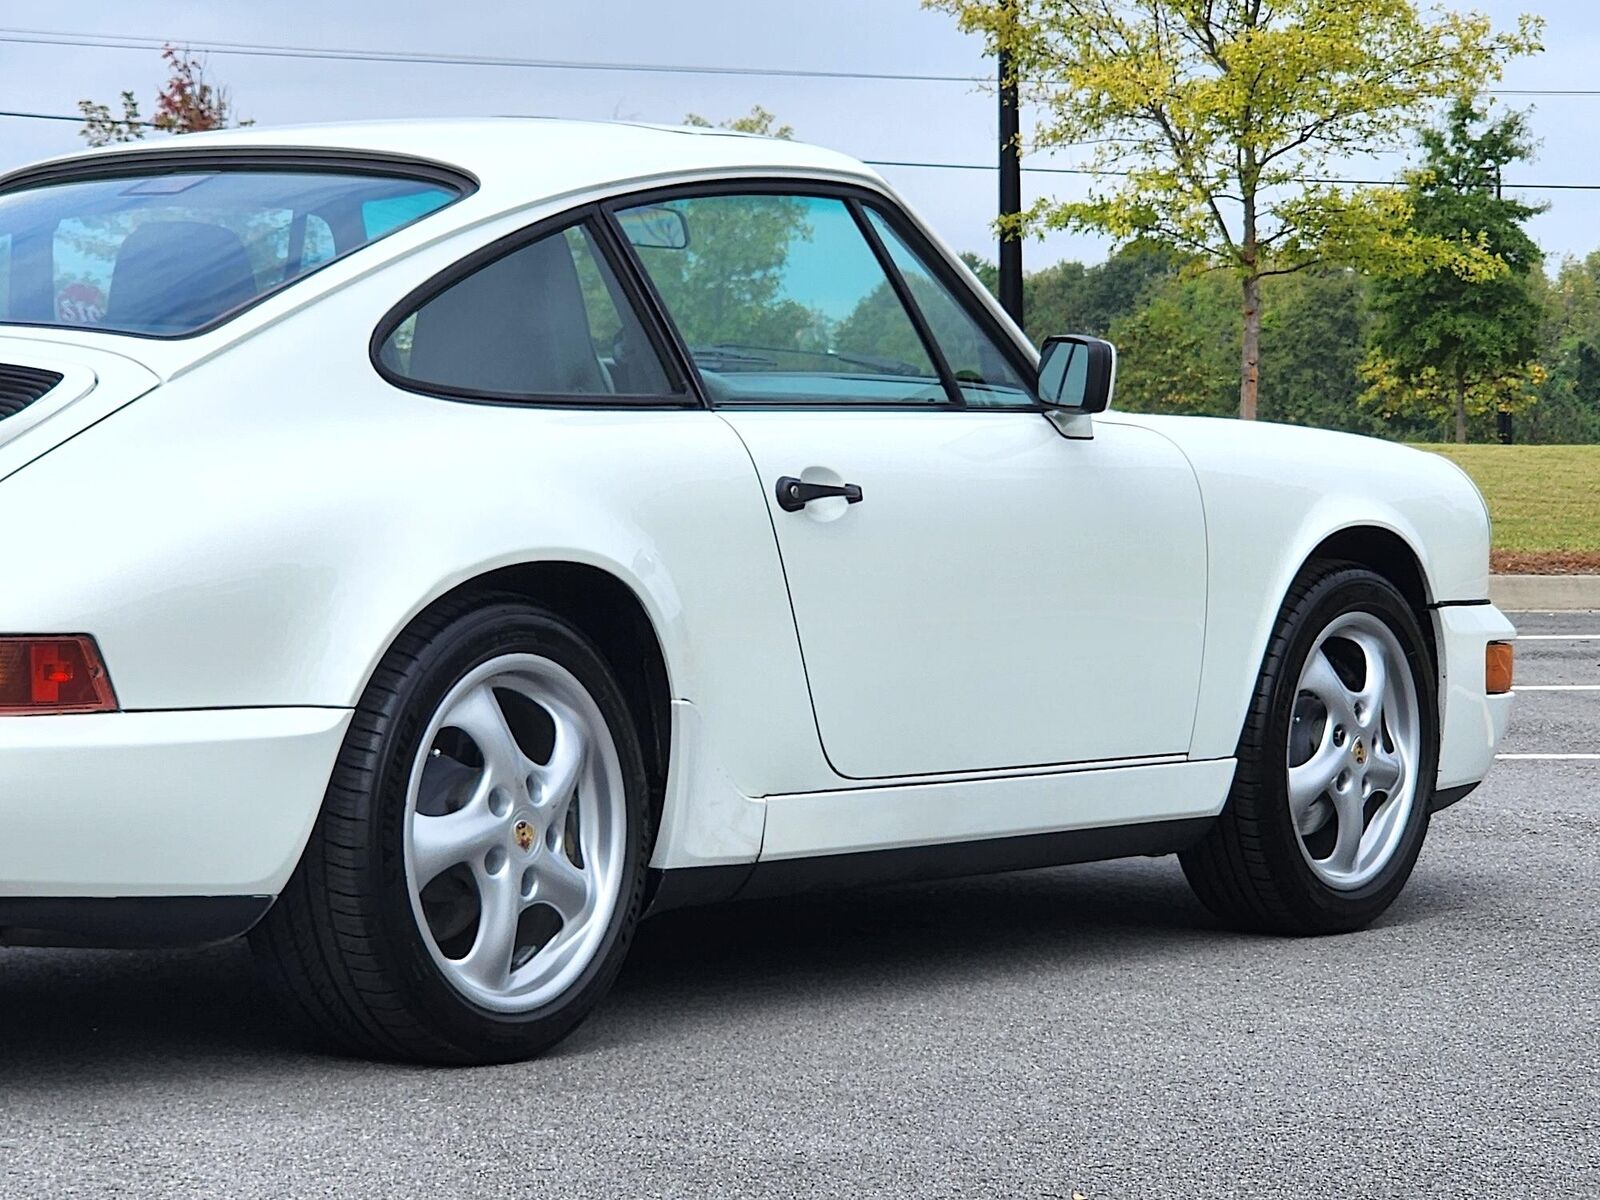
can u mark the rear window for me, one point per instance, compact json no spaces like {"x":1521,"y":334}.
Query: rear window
{"x":164,"y":255}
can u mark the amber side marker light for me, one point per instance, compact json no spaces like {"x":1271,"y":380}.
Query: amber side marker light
{"x":1497,"y":658}
{"x":62,"y":674}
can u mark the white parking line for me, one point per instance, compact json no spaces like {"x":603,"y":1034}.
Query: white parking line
{"x":1555,"y":687}
{"x":1548,"y":757}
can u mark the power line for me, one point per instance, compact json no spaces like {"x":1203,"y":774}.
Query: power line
{"x":36,"y":37}
{"x":33,"y":116}
{"x":115,"y":41}
{"x":946,"y":166}
{"x":19,"y":115}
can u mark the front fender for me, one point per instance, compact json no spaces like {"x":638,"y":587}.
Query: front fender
{"x":1272,"y":495}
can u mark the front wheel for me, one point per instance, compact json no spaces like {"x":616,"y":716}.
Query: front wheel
{"x":475,"y":876}
{"x":1329,"y":806}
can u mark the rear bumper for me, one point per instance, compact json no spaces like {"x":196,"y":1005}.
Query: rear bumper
{"x":215,"y":803}
{"x":1471,"y":723}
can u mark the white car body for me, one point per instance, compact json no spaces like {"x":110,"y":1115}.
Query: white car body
{"x":1017,"y":634}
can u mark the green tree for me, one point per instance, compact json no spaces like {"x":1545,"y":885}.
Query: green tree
{"x":1314,"y":336}
{"x":1445,"y":342}
{"x":1069,"y":297}
{"x":1177,"y":348}
{"x":102,"y":128}
{"x":1569,"y":403}
{"x":1217,"y":119}
{"x":758,"y":121}
{"x":1176,"y":351}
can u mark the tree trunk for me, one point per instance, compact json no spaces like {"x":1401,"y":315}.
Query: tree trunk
{"x":1461,"y":413}
{"x":1250,"y":366}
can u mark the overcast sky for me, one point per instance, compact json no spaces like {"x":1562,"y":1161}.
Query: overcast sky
{"x":946,"y":122}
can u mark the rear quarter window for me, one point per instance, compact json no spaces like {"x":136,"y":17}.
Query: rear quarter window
{"x":379,"y":217}
{"x":547,"y":320}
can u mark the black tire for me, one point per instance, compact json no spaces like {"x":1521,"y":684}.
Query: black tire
{"x":341,"y":947}
{"x":1249,"y":869}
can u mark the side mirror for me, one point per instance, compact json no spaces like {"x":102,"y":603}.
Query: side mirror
{"x":1077,"y":374}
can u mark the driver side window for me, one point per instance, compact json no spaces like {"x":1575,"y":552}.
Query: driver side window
{"x":985,"y":375}
{"x":782,"y":301}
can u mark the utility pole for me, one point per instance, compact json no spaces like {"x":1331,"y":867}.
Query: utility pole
{"x":1010,"y":191}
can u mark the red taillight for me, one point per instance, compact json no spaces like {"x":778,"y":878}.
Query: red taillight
{"x":53,"y":675}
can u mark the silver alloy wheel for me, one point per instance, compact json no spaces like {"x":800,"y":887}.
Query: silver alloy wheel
{"x":1355,"y":739}
{"x":515,"y":832}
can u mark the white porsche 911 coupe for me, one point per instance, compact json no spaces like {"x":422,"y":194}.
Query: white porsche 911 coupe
{"x":433,"y":546}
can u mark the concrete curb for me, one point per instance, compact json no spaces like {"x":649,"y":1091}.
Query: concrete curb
{"x":1545,"y":593}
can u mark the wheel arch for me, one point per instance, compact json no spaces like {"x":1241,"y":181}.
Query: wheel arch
{"x":612,"y":616}
{"x":1383,"y":551}
{"x":1233,"y":659}
{"x":1386,"y":553}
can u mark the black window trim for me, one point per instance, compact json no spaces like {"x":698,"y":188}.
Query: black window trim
{"x":244,"y":159}
{"x":164,"y":160}
{"x":856,"y":198}
{"x":588,"y":218}
{"x":902,"y":290}
{"x":960,"y":291}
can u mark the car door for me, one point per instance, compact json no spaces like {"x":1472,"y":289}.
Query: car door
{"x":972,"y":591}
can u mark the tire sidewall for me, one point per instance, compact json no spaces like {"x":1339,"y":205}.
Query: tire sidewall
{"x":484,"y":1034}
{"x":1348,"y":591}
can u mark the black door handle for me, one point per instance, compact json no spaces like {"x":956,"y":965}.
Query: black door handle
{"x":794,"y":494}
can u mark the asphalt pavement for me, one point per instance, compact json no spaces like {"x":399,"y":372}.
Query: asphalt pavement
{"x":1086,"y":1029}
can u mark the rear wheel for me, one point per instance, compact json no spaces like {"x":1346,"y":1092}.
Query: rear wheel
{"x":473,"y":881}
{"x":1329,"y":806}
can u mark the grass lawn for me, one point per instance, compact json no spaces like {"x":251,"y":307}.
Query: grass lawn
{"x":1545,"y":501}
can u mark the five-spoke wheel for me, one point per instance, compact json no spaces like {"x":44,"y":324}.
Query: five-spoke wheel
{"x":1329,"y":804}
{"x":478,"y":867}
{"x":1353,"y":748}
{"x":515,"y":828}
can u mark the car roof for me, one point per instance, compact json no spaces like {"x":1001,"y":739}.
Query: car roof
{"x":519,"y":163}
{"x":518,"y":160}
